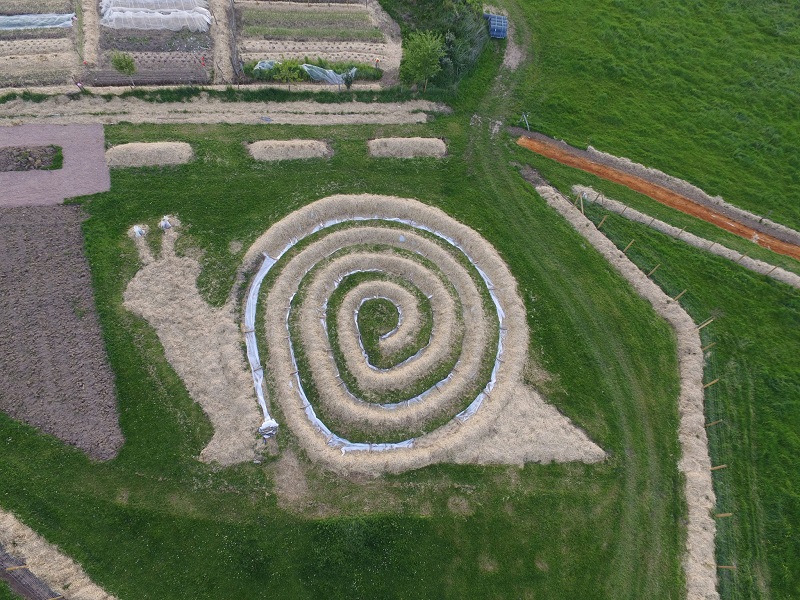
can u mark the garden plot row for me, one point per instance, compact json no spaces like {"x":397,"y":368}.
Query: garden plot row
{"x":168,"y":40}
{"x":338,"y":33}
{"x":36,"y":55}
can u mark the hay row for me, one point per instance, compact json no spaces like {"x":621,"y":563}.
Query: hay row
{"x":270,"y":150}
{"x":407,"y":304}
{"x":151,"y":154}
{"x":758,"y":266}
{"x":487,"y":437}
{"x":62,"y":574}
{"x":699,"y":559}
{"x":695,"y":193}
{"x":315,"y":342}
{"x":413,"y":147}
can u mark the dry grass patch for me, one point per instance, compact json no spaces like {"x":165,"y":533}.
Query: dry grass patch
{"x":268,"y":150}
{"x":152,"y":154}
{"x":414,"y":147}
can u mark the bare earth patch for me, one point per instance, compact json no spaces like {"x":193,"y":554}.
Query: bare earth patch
{"x":26,"y":158}
{"x":412,"y":147}
{"x":269,"y":150}
{"x":47,"y":562}
{"x":55,"y":375}
{"x":151,"y":154}
{"x":699,"y":561}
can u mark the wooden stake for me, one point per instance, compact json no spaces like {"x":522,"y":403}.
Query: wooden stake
{"x":741,"y":258}
{"x":651,"y":221}
{"x":711,"y":320}
{"x":718,"y":467}
{"x":704,"y":348}
{"x":723,"y":515}
{"x":678,"y":297}
{"x":603,"y":220}
{"x":771,"y":270}
{"x":680,"y":233}
{"x":729,"y":567}
{"x":628,"y":246}
{"x":15,"y":568}
{"x":623,"y":210}
{"x":582,"y":205}
{"x":653,"y":270}
{"x":717,"y":422}
{"x":710,"y":383}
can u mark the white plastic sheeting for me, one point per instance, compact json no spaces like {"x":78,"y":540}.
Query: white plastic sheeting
{"x":327,"y":75}
{"x":36,"y":21}
{"x":332,"y":439}
{"x":172,"y":15}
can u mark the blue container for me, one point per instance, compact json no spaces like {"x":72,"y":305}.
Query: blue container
{"x":498,"y":25}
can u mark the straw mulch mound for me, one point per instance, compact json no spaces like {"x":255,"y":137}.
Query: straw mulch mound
{"x":58,"y":571}
{"x":506,"y":423}
{"x":413,"y":147}
{"x":269,"y":150}
{"x":202,"y":344}
{"x":153,"y":154}
{"x":695,"y":464}
{"x":745,"y":261}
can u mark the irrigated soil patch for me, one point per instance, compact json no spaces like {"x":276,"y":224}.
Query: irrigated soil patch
{"x":55,"y":375}
{"x":27,"y":158}
{"x":774,"y":238}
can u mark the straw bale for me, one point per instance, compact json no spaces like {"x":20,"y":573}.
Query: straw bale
{"x":699,"y":558}
{"x":47,"y":562}
{"x":269,"y":150}
{"x":151,"y":154}
{"x":751,"y":264}
{"x":413,"y":147}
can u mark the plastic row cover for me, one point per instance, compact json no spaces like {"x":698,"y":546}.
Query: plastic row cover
{"x":153,"y":4}
{"x":198,"y":19}
{"x":36,"y":21}
{"x":316,"y":73}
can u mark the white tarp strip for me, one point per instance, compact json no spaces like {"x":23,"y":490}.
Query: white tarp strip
{"x":333,"y":439}
{"x":36,"y":21}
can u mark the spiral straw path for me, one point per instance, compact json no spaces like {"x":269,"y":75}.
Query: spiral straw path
{"x":457,"y":396}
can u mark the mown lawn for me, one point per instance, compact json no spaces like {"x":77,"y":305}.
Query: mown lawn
{"x":156,"y":522}
{"x":707,"y":92}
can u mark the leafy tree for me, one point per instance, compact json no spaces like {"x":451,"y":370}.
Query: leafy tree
{"x":287,"y":72}
{"x":421,"y":57}
{"x":124,"y":63}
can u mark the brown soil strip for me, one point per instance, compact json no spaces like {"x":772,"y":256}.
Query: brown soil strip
{"x":699,"y":560}
{"x":743,"y":260}
{"x":55,"y":373}
{"x":269,"y":150}
{"x":579,"y":159}
{"x":45,"y":562}
{"x":84,"y":170}
{"x":27,"y":158}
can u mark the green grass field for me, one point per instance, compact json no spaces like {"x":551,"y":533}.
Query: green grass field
{"x":702,"y":91}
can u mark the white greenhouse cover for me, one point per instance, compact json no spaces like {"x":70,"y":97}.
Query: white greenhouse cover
{"x":173,"y":15}
{"x":36,"y":21}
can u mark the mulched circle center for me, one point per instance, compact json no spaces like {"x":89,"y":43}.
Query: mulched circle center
{"x":30,"y":158}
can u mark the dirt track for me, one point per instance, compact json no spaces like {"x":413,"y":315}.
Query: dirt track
{"x":578,"y":159}
{"x":55,"y":375}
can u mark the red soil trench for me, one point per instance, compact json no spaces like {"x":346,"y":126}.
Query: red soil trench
{"x":660,"y":194}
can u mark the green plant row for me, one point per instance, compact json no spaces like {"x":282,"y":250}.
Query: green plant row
{"x":289,"y":70}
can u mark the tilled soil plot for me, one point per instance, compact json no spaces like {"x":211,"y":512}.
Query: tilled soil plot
{"x":27,"y":158}
{"x":55,"y":375}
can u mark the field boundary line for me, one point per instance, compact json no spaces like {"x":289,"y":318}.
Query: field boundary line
{"x":699,"y":561}
{"x":752,"y":264}
{"x":665,"y":190}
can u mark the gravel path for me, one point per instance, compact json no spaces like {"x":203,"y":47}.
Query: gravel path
{"x":84,"y":171}
{"x":55,"y":375}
